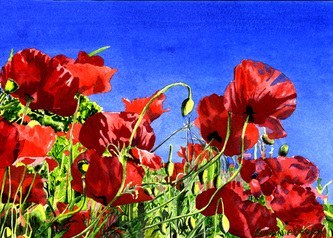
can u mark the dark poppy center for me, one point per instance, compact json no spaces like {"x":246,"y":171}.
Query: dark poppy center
{"x":214,"y":136}
{"x":254,"y":175}
{"x":249,"y":111}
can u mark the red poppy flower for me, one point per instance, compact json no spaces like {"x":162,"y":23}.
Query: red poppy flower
{"x":213,"y":120}
{"x":148,"y":159}
{"x":14,"y":176}
{"x":36,"y":141}
{"x":9,"y":143}
{"x":103,"y":177}
{"x":154,"y":111}
{"x":263,"y":94}
{"x":298,"y":208}
{"x":195,"y":154}
{"x":264,"y":175}
{"x":93,"y":76}
{"x":112,"y":131}
{"x":247,"y":219}
{"x":42,"y":82}
{"x":78,"y":222}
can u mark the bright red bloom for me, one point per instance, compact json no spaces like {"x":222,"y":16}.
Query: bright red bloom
{"x":154,"y":111}
{"x":298,"y":208}
{"x":264,"y":175}
{"x":247,"y":219}
{"x":213,"y":122}
{"x":93,"y":76}
{"x":148,"y":159}
{"x":103,"y":178}
{"x":263,"y":94}
{"x":42,"y":83}
{"x":112,"y":131}
{"x":14,"y":176}
{"x":35,"y":141}
{"x":9,"y":143}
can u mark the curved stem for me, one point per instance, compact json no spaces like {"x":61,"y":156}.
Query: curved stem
{"x":146,"y":107}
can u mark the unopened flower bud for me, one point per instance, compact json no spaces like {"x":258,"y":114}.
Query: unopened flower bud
{"x":267,"y":140}
{"x":83,"y":166}
{"x":170,"y":168}
{"x":11,"y":86}
{"x":187,"y":106}
{"x":284,"y":149}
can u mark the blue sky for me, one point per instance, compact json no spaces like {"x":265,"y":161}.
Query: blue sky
{"x":200,"y":43}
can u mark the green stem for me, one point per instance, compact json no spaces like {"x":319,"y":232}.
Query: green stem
{"x":95,"y":52}
{"x":146,"y":107}
{"x":69,"y":192}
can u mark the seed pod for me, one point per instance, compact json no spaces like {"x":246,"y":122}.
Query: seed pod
{"x":187,"y":106}
{"x":284,"y":149}
{"x":267,"y":140}
{"x":11,"y":86}
{"x":191,"y":222}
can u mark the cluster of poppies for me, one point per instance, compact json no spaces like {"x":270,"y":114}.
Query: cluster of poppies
{"x":117,"y":146}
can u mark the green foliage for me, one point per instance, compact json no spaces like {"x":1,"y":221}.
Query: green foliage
{"x":12,"y":110}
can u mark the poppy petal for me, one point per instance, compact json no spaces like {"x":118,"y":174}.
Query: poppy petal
{"x":213,"y":121}
{"x":297,"y":207}
{"x":260,"y":90}
{"x":9,"y":143}
{"x":113,"y":130}
{"x":148,"y":159}
{"x":154,"y":111}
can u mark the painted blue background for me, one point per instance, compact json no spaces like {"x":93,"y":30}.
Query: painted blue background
{"x":156,"y":43}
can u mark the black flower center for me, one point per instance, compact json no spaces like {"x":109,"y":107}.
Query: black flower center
{"x":254,"y":175}
{"x":214,"y":136}
{"x":249,"y":111}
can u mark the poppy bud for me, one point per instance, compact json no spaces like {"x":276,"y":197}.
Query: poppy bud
{"x":191,"y":222}
{"x":284,"y":149}
{"x":267,"y":140}
{"x":83,"y":166}
{"x":225,"y":223}
{"x":170,"y":168}
{"x":11,"y":86}
{"x":187,"y":106}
